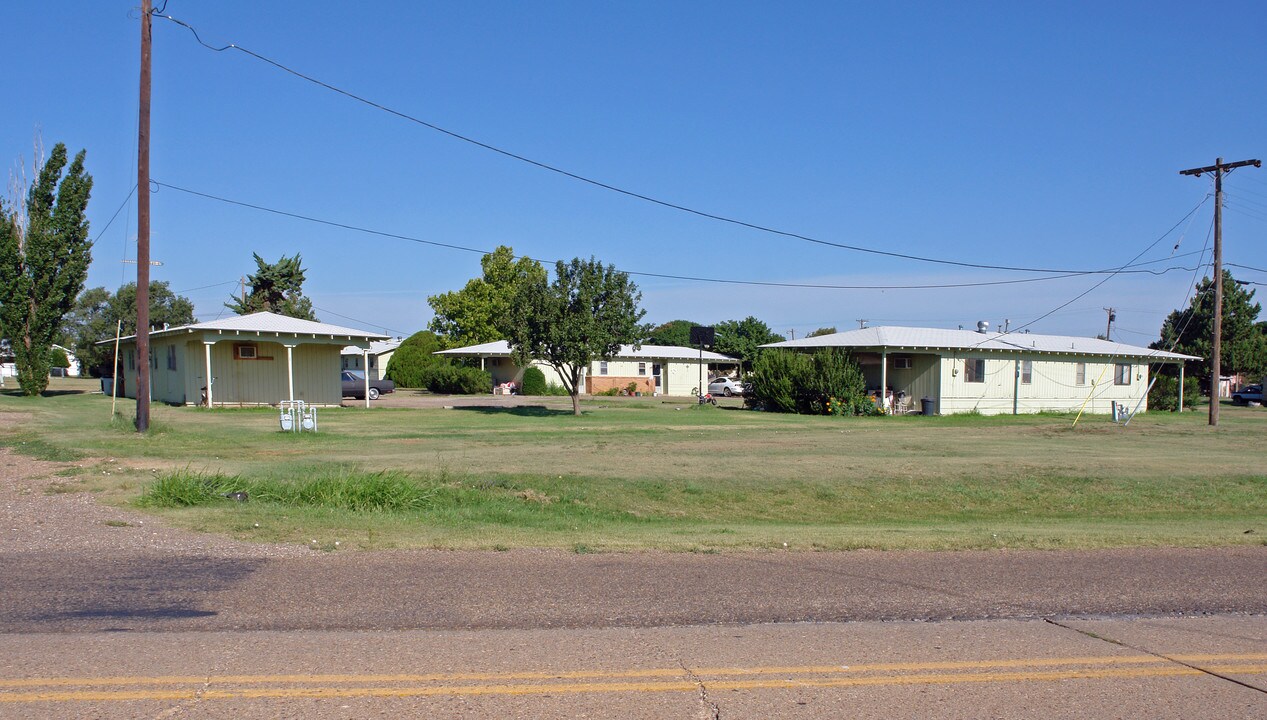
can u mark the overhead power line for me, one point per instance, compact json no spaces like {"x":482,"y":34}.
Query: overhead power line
{"x":620,"y":190}
{"x":690,"y":278}
{"x":115,"y":215}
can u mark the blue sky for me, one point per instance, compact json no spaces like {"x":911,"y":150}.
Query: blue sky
{"x":995,"y":133}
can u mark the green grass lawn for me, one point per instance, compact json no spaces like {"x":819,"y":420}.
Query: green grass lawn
{"x":643,"y":473}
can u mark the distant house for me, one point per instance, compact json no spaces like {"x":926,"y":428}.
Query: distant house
{"x":256,"y":359}
{"x":380,"y":353}
{"x":654,"y":369}
{"x":992,"y":372}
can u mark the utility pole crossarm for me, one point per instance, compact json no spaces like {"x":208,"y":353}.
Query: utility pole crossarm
{"x":1224,"y":167}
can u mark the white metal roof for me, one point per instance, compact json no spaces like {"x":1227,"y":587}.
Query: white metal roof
{"x":912,"y":338}
{"x":501,"y":348}
{"x":377,"y":347}
{"x":266,"y":322}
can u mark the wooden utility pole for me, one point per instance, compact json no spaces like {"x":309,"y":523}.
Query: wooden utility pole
{"x":143,"y":232}
{"x":1108,"y":328}
{"x":1219,"y":168}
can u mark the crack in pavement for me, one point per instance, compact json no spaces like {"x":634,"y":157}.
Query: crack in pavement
{"x":181,"y":706}
{"x":1163,"y":656}
{"x":709,"y":709}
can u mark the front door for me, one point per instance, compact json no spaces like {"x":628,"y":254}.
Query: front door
{"x":655,"y":370}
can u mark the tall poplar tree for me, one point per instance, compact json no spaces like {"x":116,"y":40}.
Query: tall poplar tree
{"x":44,"y":257}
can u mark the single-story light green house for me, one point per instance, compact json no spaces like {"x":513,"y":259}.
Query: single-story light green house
{"x":653,"y":369}
{"x":994,"y":373}
{"x":380,"y":353}
{"x":256,"y":359}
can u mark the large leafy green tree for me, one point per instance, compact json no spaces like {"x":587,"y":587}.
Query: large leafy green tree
{"x":743,"y":338}
{"x":44,"y":257}
{"x":673,"y":332}
{"x":823,"y":331}
{"x":98,"y":312}
{"x":479,"y":312}
{"x":276,"y":288}
{"x":1244,"y":342}
{"x":588,"y":312}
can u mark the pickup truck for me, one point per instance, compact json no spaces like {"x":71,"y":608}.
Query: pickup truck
{"x":354,"y":385}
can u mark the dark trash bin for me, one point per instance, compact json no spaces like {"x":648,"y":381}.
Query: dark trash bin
{"x":928,"y":406}
{"x":107,"y":385}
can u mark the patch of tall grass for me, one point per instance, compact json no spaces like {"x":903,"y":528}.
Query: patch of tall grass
{"x":337,"y":488}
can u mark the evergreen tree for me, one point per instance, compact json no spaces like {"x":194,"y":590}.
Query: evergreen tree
{"x":276,"y":288}
{"x":44,"y":257}
{"x":1244,"y":342}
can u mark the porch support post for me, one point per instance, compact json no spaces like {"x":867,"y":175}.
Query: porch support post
{"x":1181,"y":363}
{"x":207,"y":347}
{"x":365,"y":363}
{"x":1016,"y":388}
{"x":884,"y":379}
{"x":290,"y":371}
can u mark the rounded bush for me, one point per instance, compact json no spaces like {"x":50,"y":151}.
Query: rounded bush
{"x":534,"y":382}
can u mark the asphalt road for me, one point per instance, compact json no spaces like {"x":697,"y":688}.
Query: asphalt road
{"x":1166,"y":633}
{"x":91,"y":592}
{"x":1161,"y":668}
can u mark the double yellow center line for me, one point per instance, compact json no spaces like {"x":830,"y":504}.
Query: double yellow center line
{"x":651,"y":680}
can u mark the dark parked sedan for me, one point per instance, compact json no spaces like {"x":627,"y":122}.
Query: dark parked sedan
{"x":354,"y":385}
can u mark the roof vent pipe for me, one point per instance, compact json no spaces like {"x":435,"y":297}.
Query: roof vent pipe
{"x":983,"y":326}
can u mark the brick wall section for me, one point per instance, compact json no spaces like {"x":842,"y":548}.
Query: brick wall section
{"x":599,"y":383}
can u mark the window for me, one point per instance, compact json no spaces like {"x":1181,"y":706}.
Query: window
{"x":1027,"y":372}
{"x":171,"y":357}
{"x":602,"y":367}
{"x":244,"y":352}
{"x":1080,"y":374}
{"x":1122,"y":374}
{"x":642,"y":368}
{"x":902,"y":362}
{"x":974,"y":370}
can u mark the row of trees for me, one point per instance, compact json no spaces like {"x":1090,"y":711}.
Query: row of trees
{"x":488,"y":308}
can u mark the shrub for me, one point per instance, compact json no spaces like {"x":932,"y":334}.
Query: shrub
{"x":556,"y":389}
{"x":826,"y":383}
{"x":449,"y":379}
{"x":534,"y":382}
{"x":409,"y":362}
{"x":835,"y":375}
{"x":777,"y":377}
{"x":1164,"y":393}
{"x":57,"y":358}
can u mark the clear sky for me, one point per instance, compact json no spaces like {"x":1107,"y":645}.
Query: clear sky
{"x":1021,"y":134}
